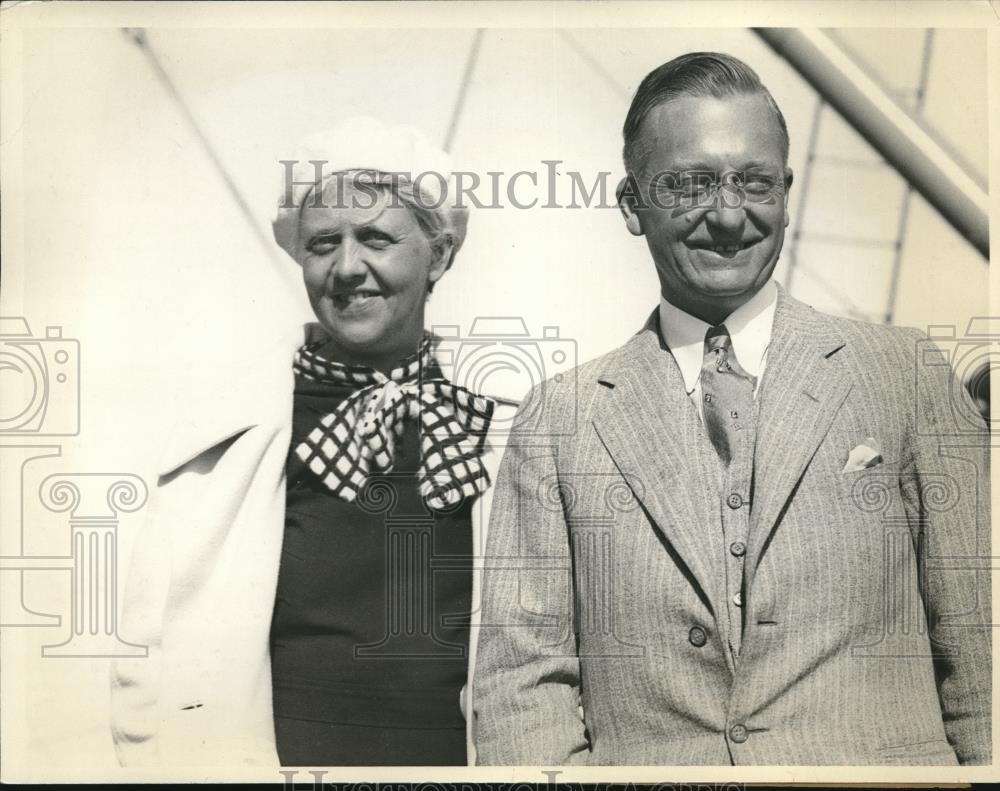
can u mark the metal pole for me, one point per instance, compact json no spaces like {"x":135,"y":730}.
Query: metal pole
{"x":899,"y":137}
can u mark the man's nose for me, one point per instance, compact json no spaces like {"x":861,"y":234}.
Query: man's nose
{"x":728,"y":215}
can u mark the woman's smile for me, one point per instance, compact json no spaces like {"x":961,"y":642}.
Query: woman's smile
{"x":357,"y":302}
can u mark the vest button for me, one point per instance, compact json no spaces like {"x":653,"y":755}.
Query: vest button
{"x":697,"y":637}
{"x":738,"y":599}
{"x":739,"y":733}
{"x":738,"y":549}
{"x":734,"y":501}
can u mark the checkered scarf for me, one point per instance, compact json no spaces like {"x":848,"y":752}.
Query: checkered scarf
{"x":358,"y":437}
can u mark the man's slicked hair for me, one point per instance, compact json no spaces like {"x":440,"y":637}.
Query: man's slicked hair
{"x":698,"y":74}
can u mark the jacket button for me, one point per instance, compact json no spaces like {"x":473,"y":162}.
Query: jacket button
{"x":737,"y":549}
{"x":697,"y":637}
{"x":738,"y":598}
{"x":734,"y":501}
{"x":739,"y":733}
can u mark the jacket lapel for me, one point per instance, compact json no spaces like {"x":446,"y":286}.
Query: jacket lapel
{"x":257,"y":392}
{"x":804,"y":386}
{"x":652,"y":431}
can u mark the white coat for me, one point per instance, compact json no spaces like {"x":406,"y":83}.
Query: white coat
{"x":201,"y":585}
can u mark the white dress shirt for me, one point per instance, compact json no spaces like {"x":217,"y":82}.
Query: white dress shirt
{"x":749,"y":326}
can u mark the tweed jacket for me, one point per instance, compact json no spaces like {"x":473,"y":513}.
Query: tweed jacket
{"x":866,"y":606}
{"x":203,"y":576}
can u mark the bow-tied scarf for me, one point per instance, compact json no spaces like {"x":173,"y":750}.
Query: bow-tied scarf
{"x":358,"y":438}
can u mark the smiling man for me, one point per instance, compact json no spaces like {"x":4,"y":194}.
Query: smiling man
{"x":754,"y":534}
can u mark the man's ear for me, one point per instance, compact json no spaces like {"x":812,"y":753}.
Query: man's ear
{"x":627,"y":205}
{"x":788,"y":188}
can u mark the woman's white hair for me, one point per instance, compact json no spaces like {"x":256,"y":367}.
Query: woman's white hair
{"x":396,"y":160}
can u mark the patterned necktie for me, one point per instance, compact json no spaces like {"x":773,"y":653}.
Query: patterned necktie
{"x":358,"y":438}
{"x":727,"y":393}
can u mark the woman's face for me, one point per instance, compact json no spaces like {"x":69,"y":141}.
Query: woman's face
{"x":367,"y":266}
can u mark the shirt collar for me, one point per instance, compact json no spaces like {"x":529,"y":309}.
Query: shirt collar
{"x":749,"y":326}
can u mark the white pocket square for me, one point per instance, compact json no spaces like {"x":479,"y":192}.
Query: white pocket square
{"x":864,"y":456}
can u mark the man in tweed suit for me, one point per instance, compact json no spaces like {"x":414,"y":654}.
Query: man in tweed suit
{"x":754,"y":534}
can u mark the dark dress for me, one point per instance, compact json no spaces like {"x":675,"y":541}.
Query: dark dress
{"x":370,"y":633}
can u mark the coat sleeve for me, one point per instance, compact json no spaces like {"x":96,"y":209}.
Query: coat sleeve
{"x":527,"y":701}
{"x":199,"y":587}
{"x":135,"y":680}
{"x":137,"y":706}
{"x":948,"y":500}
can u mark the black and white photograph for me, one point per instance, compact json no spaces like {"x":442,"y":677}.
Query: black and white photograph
{"x":446,"y":391}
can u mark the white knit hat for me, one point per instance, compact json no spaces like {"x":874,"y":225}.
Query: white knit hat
{"x":366,"y":144}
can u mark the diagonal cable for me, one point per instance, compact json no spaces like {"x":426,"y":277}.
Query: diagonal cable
{"x":594,"y":63}
{"x":463,"y":88}
{"x":141,"y":40}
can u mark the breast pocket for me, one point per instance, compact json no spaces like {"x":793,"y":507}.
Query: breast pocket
{"x":869,"y":493}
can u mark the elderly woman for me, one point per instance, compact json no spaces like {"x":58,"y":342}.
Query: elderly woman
{"x":305,"y":583}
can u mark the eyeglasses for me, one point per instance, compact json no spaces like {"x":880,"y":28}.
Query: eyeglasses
{"x":696,"y":189}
